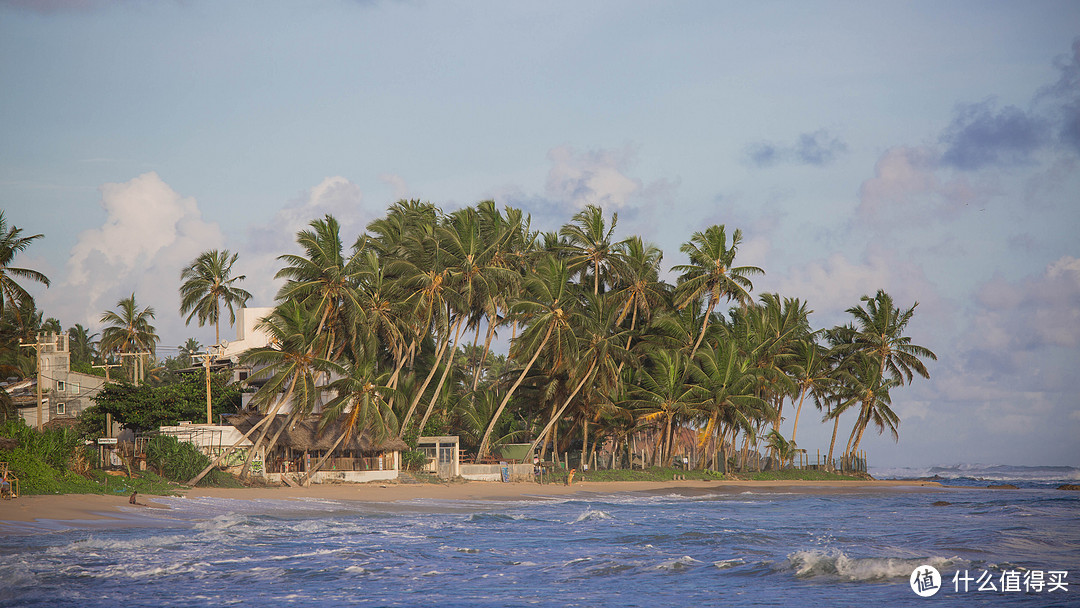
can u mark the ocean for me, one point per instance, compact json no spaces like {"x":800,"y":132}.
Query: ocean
{"x":856,"y":547}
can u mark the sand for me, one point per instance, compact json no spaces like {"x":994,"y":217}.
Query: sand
{"x":73,"y":507}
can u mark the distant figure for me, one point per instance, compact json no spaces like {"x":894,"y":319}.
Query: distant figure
{"x":570,"y":477}
{"x":132,"y":499}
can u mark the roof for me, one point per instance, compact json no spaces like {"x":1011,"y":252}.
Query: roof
{"x":305,"y":434}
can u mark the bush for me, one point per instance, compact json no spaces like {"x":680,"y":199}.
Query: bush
{"x":174,"y":459}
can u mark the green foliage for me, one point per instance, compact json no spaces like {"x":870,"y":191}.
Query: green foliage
{"x":652,"y":474}
{"x":174,"y":459}
{"x":148,"y":407}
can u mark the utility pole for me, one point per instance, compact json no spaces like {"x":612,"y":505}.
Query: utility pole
{"x":38,"y":346}
{"x":108,"y":417}
{"x":206,"y":366}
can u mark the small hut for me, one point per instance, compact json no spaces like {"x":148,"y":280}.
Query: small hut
{"x":302,"y":444}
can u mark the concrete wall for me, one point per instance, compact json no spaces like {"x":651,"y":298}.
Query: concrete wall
{"x":493,"y":472}
{"x":338,"y":476}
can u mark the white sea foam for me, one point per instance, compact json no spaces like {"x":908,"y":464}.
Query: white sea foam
{"x":836,"y":564}
{"x":725,"y":564}
{"x":592,"y":515}
{"x":677,"y":564}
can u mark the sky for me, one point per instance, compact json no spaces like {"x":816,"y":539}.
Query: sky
{"x":930,"y":149}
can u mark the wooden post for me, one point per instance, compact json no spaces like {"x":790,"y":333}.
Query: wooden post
{"x":37,"y":346}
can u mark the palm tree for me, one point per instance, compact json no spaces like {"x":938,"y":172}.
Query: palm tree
{"x":208,"y":285}
{"x":188,"y":351}
{"x":548,"y":305}
{"x":82,"y":345}
{"x":292,"y":365}
{"x":879,"y":332}
{"x":711,"y":274}
{"x":813,"y":373}
{"x":324,"y":280}
{"x":662,"y":395}
{"x":588,"y":244}
{"x":129,"y":330}
{"x":12,"y":243}
{"x":864,"y":384}
{"x":731,"y":385}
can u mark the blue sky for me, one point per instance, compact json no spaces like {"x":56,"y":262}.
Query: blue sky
{"x":931,"y":149}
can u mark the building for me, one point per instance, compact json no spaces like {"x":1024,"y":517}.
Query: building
{"x":65,"y":394}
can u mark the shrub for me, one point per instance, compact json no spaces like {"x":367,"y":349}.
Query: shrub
{"x":174,"y":459}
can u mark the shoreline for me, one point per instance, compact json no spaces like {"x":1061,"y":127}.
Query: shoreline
{"x":91,"y":507}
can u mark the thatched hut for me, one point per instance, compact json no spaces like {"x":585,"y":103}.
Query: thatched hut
{"x":302,"y":443}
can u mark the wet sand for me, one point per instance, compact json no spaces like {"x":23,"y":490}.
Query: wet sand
{"x":74,"y":507}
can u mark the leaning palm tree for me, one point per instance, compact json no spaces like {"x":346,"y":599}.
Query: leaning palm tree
{"x":711,"y":274}
{"x":12,"y":243}
{"x":879,"y":333}
{"x":548,"y":303}
{"x":864,"y":385}
{"x":208,"y":286}
{"x":129,"y":331}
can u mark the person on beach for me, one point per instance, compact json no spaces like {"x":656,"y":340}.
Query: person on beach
{"x":570,"y":477}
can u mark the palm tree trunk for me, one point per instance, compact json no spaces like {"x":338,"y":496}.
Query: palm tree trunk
{"x":797,"y":411}
{"x":427,"y":381}
{"x":442,"y":380}
{"x":318,"y":465}
{"x":704,"y":326}
{"x":555,"y":415}
{"x":483,"y":356}
{"x":506,"y":399}
{"x":584,"y":440}
{"x":836,"y":425}
{"x":232,"y":448}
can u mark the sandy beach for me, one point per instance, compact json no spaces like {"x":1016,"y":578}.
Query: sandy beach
{"x":68,"y":507}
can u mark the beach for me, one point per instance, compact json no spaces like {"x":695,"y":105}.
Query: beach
{"x":69,"y":507}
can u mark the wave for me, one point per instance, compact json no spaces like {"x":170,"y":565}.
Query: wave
{"x":837,"y":565}
{"x":592,"y":515}
{"x":983,"y":472}
{"x":678,"y":564}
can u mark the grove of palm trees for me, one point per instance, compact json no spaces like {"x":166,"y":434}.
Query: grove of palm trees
{"x":394,"y":331}
{"x":395,"y":334}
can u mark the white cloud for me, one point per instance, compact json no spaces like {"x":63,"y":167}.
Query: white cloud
{"x":150,"y":233}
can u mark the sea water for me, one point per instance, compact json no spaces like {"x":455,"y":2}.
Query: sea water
{"x":700,"y":547}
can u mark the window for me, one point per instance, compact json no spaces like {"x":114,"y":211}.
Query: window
{"x":243,"y":376}
{"x":60,"y":386}
{"x":61,"y":409}
{"x":74,"y":387}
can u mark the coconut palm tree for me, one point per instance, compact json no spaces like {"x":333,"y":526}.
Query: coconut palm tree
{"x":588,"y":245}
{"x":663,"y":396}
{"x":12,"y":243}
{"x":548,"y":304}
{"x":292,"y":365}
{"x":208,"y":285}
{"x":879,"y":332}
{"x":864,"y":384}
{"x":82,"y":344}
{"x":128,"y":330}
{"x":812,"y":372}
{"x":188,"y":351}
{"x":711,"y":274}
{"x":324,"y":279}
{"x":731,"y":385}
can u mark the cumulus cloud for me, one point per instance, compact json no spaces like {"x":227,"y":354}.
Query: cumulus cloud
{"x":150,"y":233}
{"x":818,"y":149}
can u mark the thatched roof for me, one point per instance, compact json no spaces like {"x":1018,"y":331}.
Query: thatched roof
{"x":305,"y":434}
